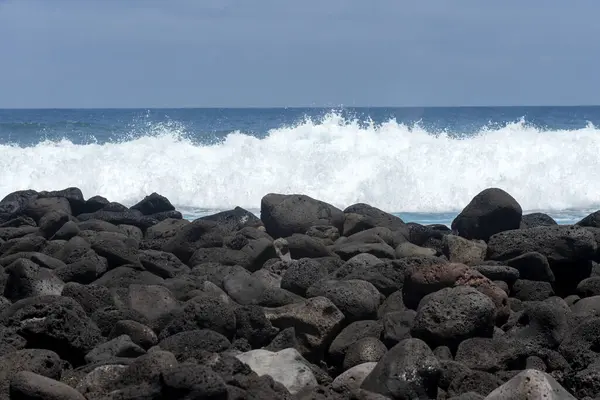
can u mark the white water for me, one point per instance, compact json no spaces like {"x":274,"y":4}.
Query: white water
{"x":391,"y":166}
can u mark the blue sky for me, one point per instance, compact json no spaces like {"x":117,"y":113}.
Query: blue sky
{"x":241,"y":53}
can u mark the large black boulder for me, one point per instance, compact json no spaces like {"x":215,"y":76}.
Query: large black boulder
{"x":491,"y":211}
{"x":284,"y":215}
{"x":451,"y":315}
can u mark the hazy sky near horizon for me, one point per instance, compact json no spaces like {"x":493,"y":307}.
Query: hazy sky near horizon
{"x":241,"y":53}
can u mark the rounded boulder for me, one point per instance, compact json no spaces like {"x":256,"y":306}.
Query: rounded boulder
{"x":490,"y":212}
{"x":451,"y":315}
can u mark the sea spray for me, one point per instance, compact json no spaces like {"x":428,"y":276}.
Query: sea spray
{"x":392,"y":166}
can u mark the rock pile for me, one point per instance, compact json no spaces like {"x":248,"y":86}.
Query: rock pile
{"x":105,"y":302}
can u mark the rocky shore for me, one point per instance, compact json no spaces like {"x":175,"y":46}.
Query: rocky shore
{"x":104,"y":302}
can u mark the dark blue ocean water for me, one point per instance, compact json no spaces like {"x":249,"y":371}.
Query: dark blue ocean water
{"x":423,"y":164}
{"x":29,"y":127}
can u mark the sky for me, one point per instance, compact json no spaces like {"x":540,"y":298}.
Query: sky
{"x":276,"y":53}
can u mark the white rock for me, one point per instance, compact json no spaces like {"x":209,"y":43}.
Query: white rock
{"x":353,"y":378}
{"x":287,"y":367}
{"x":531,"y":384}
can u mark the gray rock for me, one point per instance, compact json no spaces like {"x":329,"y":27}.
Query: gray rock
{"x":579,"y":346}
{"x":252,"y":325}
{"x":282,"y":249}
{"x":503,"y":285}
{"x":243,"y":288}
{"x":52,"y":221}
{"x":139,"y":334}
{"x":86,"y":270}
{"x":120,"y":215}
{"x":526,"y":290}
{"x":120,"y":346}
{"x":122,"y":277}
{"x":408,"y":249}
{"x":209,"y":289}
{"x":201,"y":312}
{"x":192,"y":344}
{"x":451,"y":315}
{"x":100,"y":379}
{"x":193,"y":381}
{"x":443,"y":353}
{"x":132,"y":232}
{"x":347,"y":250}
{"x":29,"y":385}
{"x":27,"y":279}
{"x":304,"y":246}
{"x":360,"y":217}
{"x":284,"y":215}
{"x":559,"y":244}
{"x":316,"y":322}
{"x":152,"y":204}
{"x":146,"y":369}
{"x":397,"y":326}
{"x":531,"y":384}
{"x":8,"y":233}
{"x":165,"y":229}
{"x":235,"y":220}
{"x":43,"y":362}
{"x":393,"y":303}
{"x":364,"y":260}
{"x":223,"y":256}
{"x":467,"y":396}
{"x":351,"y":334}
{"x":535,"y":362}
{"x":533,"y":266}
{"x":365,"y":350}
{"x":589,"y":287}
{"x":97,"y":225}
{"x":301,"y":274}
{"x":37,"y":208}
{"x":536,"y":219}
{"x":184,"y":239}
{"x":327,"y":233}
{"x":357,"y":299}
{"x":90,"y":297}
{"x":378,"y":234}
{"x":22,"y":244}
{"x":72,"y":194}
{"x":41,"y":259}
{"x":56,"y":321}
{"x":407,"y":371}
{"x":572,"y":299}
{"x":352,"y":379}
{"x":490,"y":212}
{"x":267,"y":278}
{"x":150,"y":301}
{"x":464,"y":251}
{"x":287,"y":367}
{"x":67,"y":231}
{"x":498,"y":272}
{"x":431,"y":278}
{"x":385,"y":276}
{"x":480,"y":382}
{"x":163,"y":264}
{"x":117,"y":248}
{"x":587,"y":307}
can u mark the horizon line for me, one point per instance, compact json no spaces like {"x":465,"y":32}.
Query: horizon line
{"x":290,"y":107}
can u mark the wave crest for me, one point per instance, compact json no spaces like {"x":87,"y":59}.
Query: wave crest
{"x":395,"y":167}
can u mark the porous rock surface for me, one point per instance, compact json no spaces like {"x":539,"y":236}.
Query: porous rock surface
{"x":100,"y":301}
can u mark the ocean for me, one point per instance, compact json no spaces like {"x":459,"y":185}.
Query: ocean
{"x":422,"y":164}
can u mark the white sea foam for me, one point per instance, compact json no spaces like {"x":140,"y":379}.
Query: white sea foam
{"x":392,"y":166}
